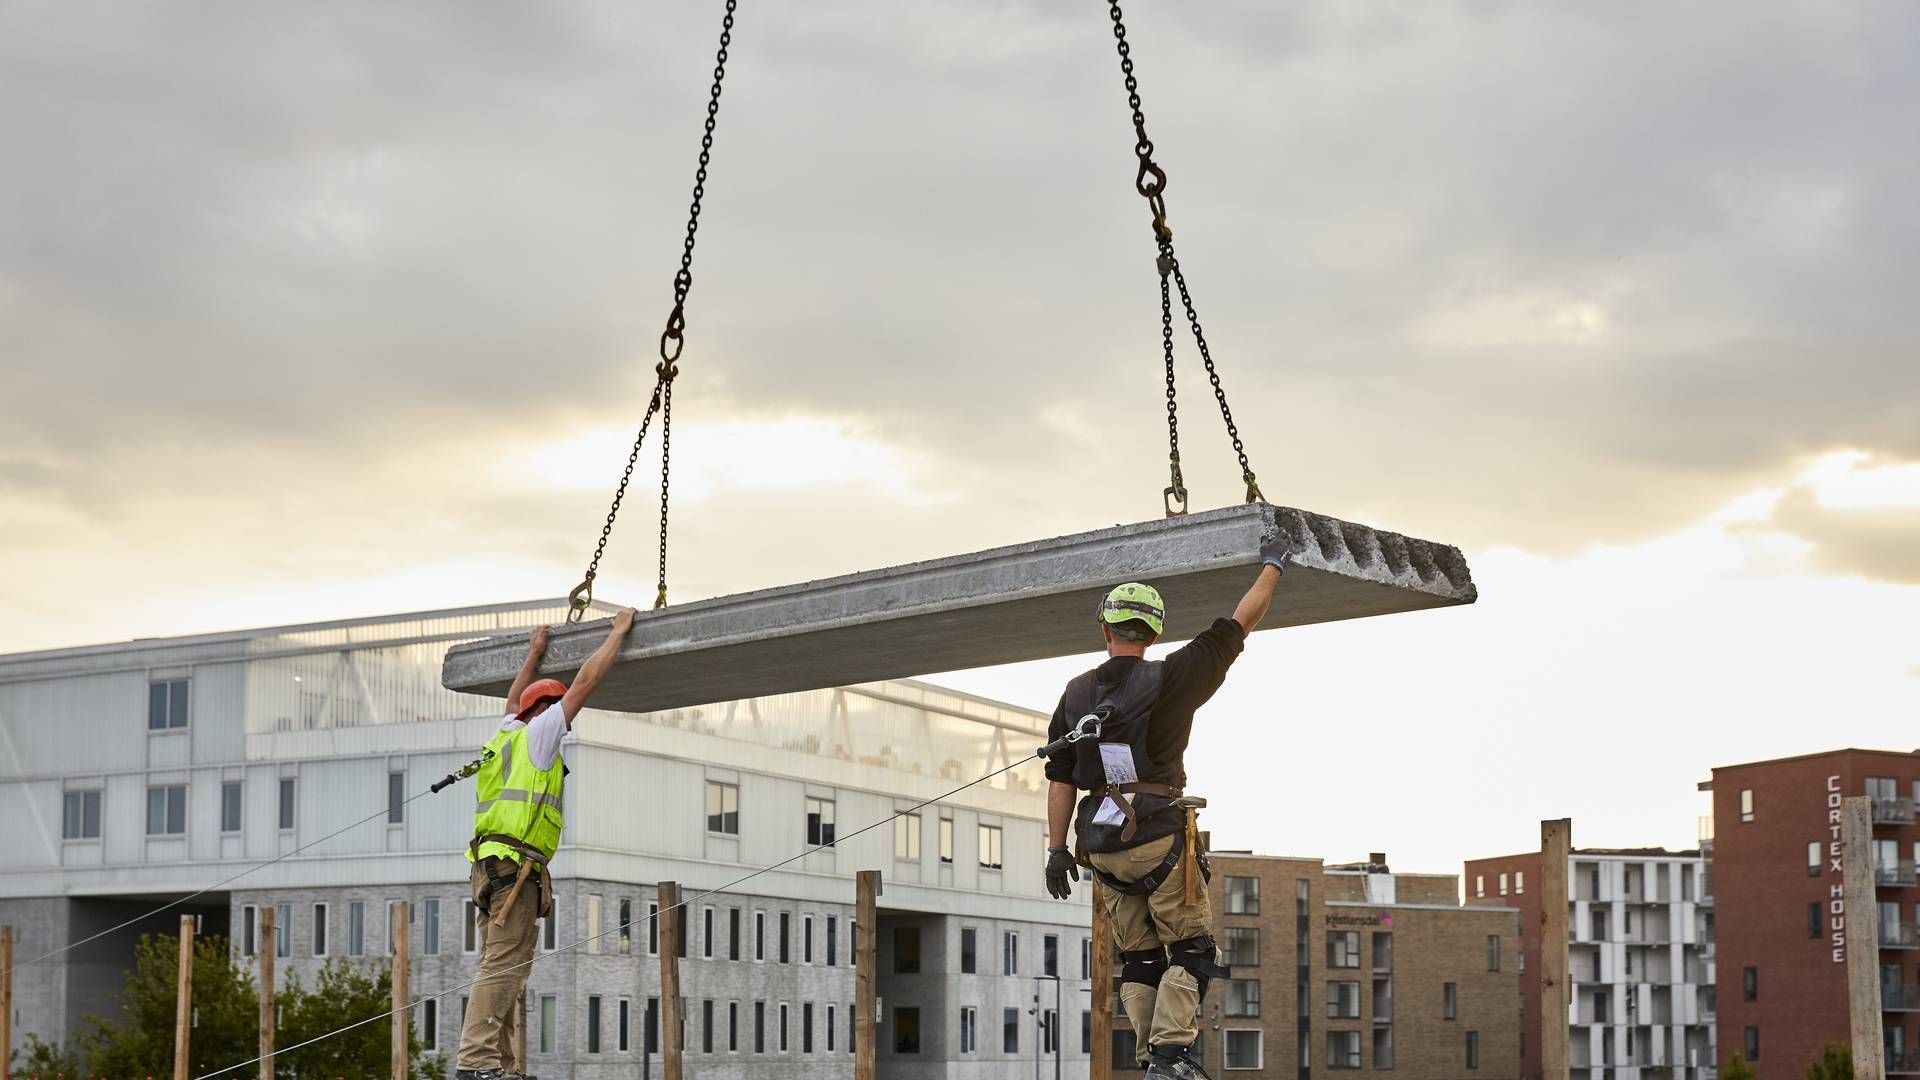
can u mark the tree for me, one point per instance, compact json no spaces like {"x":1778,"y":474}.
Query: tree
{"x":343,"y":995}
{"x":1736,"y":1069}
{"x":1834,"y":1063}
{"x":226,"y":1010}
{"x":49,"y":1059}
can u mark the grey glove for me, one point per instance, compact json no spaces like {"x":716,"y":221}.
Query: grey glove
{"x":1059,"y":867}
{"x":1278,"y":551}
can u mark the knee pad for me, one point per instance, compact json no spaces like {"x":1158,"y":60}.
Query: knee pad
{"x":1144,"y":966}
{"x":1197,"y":954}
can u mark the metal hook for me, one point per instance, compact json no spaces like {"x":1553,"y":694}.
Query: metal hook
{"x":580,"y":599}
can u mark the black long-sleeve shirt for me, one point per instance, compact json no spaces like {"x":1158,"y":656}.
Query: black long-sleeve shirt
{"x":1191,"y":675}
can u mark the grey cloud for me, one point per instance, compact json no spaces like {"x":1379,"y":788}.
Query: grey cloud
{"x":1879,"y":543}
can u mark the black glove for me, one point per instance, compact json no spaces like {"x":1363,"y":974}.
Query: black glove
{"x":1278,"y":551}
{"x":1059,"y":867}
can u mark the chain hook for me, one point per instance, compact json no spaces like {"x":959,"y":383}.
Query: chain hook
{"x":675,"y":332}
{"x":1253,"y":490}
{"x":1175,"y":492}
{"x":1151,"y":180}
{"x":579,"y":600}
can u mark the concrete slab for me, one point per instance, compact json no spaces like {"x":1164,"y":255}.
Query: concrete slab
{"x":1023,"y":602}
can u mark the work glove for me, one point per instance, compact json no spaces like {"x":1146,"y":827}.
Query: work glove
{"x":1278,"y":551}
{"x":1059,"y":867}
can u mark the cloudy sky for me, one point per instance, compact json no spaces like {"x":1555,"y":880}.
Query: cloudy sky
{"x":326,"y":310}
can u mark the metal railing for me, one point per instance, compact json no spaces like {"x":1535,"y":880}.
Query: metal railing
{"x":1899,"y":936}
{"x":1895,"y":811}
{"x":1896,"y":997}
{"x":1905,"y":1063}
{"x":1898,"y":874}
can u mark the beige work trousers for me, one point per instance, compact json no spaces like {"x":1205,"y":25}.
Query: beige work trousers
{"x":1164,"y":1016}
{"x":493,"y":1036}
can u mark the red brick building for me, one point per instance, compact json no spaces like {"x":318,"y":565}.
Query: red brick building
{"x":1782,"y":921}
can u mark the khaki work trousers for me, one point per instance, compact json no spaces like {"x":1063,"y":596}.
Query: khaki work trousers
{"x":493,"y":1036}
{"x":1164,"y":1016}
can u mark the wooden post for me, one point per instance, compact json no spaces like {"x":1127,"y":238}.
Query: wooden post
{"x":1100,"y":1054}
{"x":866,"y":931}
{"x":183,"y":1007}
{"x":268,"y":947}
{"x":1556,"y":847}
{"x":1863,"y":934}
{"x":671,"y":923}
{"x":402,"y":999}
{"x":6,"y":1003}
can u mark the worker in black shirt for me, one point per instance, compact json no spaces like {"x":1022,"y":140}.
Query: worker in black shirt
{"x":1130,"y":719}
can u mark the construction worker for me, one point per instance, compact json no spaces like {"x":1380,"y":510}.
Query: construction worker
{"x":516,"y":828}
{"x":1128,"y":722}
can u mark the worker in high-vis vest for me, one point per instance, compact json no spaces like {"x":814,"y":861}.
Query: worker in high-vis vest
{"x":516,"y":829}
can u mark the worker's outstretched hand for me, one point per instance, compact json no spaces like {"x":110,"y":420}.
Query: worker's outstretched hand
{"x":1059,"y":868}
{"x":541,"y":635}
{"x":623,"y":620}
{"x":1278,"y":551}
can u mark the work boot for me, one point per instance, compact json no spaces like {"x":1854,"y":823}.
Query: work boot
{"x":1175,"y":1063}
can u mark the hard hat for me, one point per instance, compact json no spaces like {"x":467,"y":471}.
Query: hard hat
{"x":1130,"y":602}
{"x":538,"y":693}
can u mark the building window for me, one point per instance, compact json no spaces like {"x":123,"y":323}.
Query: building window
{"x":759,"y":1027}
{"x":230,"y":793}
{"x":1086,"y":958}
{"x":819,"y":822}
{"x":1750,"y":984}
{"x":626,"y":926}
{"x":806,"y":1027}
{"x":1382,"y":951}
{"x":1343,"y":949}
{"x":906,"y":837}
{"x":1813,"y":920}
{"x":396,"y":797}
{"x":1479,"y":885}
{"x":1503,"y":884}
{"x":1753,"y":1044}
{"x":946,"y":840}
{"x":906,"y":1030}
{"x":623,"y":1025}
{"x":1243,"y":998}
{"x":733,"y":1026}
{"x":906,"y":950}
{"x":1343,"y":1049}
{"x":1240,"y":946}
{"x":1746,"y":804}
{"x":759,"y":935}
{"x":1814,"y":864}
{"x":706,"y":1026}
{"x":430,"y":926}
{"x":593,"y":923}
{"x":1449,"y":1000}
{"x":286,"y":802}
{"x":1603,"y":1007}
{"x":549,"y":1009}
{"x":430,"y":1024}
{"x":733,"y":933}
{"x":969,"y":954}
{"x":969,"y":1035}
{"x":806,"y":939}
{"x":1050,"y":955}
{"x":549,"y":933}
{"x":1010,"y":1031}
{"x":990,"y":847}
{"x":1519,"y":882}
{"x":80,"y":815}
{"x":470,"y":928}
{"x":593,"y":1023}
{"x":283,"y":930}
{"x":1382,"y":1046}
{"x":1009,"y":953}
{"x":786,"y":926}
{"x":357,"y":929}
{"x":1597,"y":923}
{"x":1493,"y":952}
{"x":1473,"y":1050}
{"x":1343,"y":1000}
{"x":723,"y":808}
{"x":319,"y":929}
{"x":1243,"y":1049}
{"x":1243,"y":896}
{"x":167,"y":810}
{"x":831,"y":944}
{"x":167,"y":705}
{"x":249,"y":934}
{"x":783,"y":1027}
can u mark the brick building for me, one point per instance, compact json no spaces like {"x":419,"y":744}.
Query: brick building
{"x":1783,"y":923}
{"x":1353,"y":967}
{"x":1641,"y":959}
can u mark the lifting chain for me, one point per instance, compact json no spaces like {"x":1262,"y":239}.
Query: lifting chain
{"x":672,"y":340}
{"x":1151,"y":182}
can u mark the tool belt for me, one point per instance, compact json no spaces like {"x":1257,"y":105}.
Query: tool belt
{"x":531,"y":861}
{"x":1185,"y":849}
{"x":1115,"y":791}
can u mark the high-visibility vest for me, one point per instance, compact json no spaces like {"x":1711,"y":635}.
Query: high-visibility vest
{"x":517,"y":799}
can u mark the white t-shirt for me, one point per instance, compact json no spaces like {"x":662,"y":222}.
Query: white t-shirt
{"x":544,"y":733}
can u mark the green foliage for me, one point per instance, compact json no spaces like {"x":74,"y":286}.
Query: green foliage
{"x":1736,"y":1069}
{"x":1834,"y":1063}
{"x":49,"y":1059}
{"x":226,"y":1011}
{"x":344,"y":994}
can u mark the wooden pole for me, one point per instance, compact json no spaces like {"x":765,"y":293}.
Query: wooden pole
{"x":1863,"y":934}
{"x":6,"y":1003}
{"x":268,"y":947}
{"x":671,"y":921}
{"x":183,"y":1007}
{"x":866,"y":931}
{"x":1556,"y":847}
{"x":1100,"y":1054}
{"x":402,"y":998}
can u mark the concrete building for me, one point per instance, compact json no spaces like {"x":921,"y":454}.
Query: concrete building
{"x":136,"y":773}
{"x":1354,"y":967}
{"x":1783,"y":920}
{"x":1641,"y":959}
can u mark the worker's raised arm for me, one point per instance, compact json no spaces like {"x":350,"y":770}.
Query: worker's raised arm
{"x":1253,"y":606}
{"x":536,"y":651}
{"x":597,"y":665}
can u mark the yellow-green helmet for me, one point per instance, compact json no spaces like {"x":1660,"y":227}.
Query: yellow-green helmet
{"x":1134,"y":602}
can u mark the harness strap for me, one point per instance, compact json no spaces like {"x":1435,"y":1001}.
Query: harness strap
{"x":1140,"y":787}
{"x":516,"y":844}
{"x":1154,"y":878}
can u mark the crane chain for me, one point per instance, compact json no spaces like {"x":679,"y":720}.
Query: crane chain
{"x":1151,"y":182}
{"x":672,"y":341}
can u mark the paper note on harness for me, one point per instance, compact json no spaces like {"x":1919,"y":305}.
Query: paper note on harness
{"x":1116,"y":760}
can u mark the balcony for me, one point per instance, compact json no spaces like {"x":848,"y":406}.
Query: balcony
{"x":1905,"y":1063}
{"x":1892,"y":811}
{"x":1899,"y":875}
{"x":1897,"y":998}
{"x":1899,"y":936}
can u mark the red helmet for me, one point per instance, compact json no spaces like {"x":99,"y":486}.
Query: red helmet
{"x":538,"y":693}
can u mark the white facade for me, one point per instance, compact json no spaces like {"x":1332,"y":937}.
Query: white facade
{"x":119,"y":803}
{"x":1641,"y":960}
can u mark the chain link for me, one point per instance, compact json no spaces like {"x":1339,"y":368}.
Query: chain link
{"x":1151,"y":183}
{"x":672,"y":341}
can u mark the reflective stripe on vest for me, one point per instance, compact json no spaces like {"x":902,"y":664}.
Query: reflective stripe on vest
{"x":528,"y":810}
